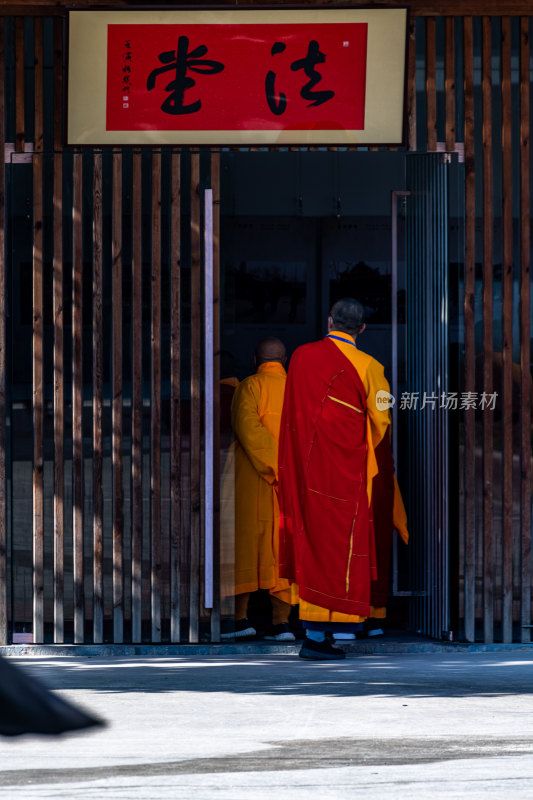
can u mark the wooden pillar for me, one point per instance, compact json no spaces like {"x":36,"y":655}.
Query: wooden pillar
{"x":195,"y":473}
{"x":98,"y":443}
{"x":411,"y":86}
{"x":77,"y":404}
{"x":58,"y":314}
{"x":470,"y":241}
{"x":449,"y":83}
{"x":136,"y":405}
{"x":507,"y":327}
{"x":215,"y":185}
{"x":488,"y":349}
{"x":431,"y":85}
{"x":116,"y":411}
{"x":525,"y":322}
{"x":155,"y":438}
{"x":38,"y":351}
{"x":175,"y":401}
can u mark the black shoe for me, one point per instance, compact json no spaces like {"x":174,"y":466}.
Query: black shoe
{"x":320,"y":651}
{"x":280,"y":633}
{"x":372,"y":627}
{"x":240,"y":629}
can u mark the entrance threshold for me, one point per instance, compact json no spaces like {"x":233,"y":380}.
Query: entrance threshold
{"x":400,"y":645}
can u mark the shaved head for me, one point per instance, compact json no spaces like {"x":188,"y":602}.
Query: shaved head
{"x":270,"y":350}
{"x":348,"y":315}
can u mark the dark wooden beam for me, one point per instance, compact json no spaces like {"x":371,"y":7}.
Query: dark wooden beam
{"x":419,"y":8}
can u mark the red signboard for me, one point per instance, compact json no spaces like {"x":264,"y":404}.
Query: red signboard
{"x":226,"y":77}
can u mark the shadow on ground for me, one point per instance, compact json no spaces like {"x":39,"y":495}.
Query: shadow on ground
{"x":380,"y":676}
{"x":293,"y":755}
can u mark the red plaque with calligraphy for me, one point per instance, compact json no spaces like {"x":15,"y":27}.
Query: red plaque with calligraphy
{"x":236,"y":77}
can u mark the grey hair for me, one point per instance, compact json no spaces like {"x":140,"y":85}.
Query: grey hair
{"x":348,"y":315}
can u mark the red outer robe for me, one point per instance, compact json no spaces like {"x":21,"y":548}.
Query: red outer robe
{"x":326,"y":531}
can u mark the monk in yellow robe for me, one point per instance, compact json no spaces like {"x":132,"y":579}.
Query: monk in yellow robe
{"x":335,"y":433}
{"x":256,"y":415}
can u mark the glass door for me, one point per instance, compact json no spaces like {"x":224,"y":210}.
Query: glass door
{"x":424,"y":404}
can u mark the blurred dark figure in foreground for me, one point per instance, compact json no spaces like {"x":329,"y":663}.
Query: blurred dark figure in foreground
{"x":27,"y":706}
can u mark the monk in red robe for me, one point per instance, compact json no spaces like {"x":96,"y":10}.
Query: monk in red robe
{"x":334,"y":425}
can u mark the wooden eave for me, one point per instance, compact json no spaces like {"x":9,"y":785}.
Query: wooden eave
{"x":419,"y":8}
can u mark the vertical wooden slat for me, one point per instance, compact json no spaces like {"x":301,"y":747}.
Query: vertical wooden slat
{"x":39,"y":86}
{"x":196,"y":321}
{"x":215,"y":185}
{"x":449,"y":84}
{"x":411,"y":86}
{"x":136,"y":405}
{"x":525,"y":370}
{"x":20,"y":123}
{"x":58,"y":84}
{"x":507,"y":330}
{"x":470,"y":240}
{"x":98,"y":445}
{"x":38,"y":351}
{"x":59,"y":403}
{"x":175,"y":402}
{"x":3,"y":442}
{"x":77,"y":402}
{"x":155,"y":472}
{"x":116,"y":421}
{"x":488,"y":349}
{"x":38,"y":500}
{"x":431,"y":85}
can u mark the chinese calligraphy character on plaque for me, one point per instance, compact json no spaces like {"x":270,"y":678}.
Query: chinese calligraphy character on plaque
{"x":260,"y":77}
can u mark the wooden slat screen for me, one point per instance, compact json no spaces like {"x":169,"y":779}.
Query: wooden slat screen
{"x":117,"y":250}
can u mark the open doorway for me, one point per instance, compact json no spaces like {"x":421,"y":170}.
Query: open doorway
{"x":300,"y":230}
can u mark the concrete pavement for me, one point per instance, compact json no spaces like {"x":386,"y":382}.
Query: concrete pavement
{"x":247,"y":727}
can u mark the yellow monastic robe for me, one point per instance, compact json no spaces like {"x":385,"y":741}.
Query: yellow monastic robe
{"x":373,"y":378}
{"x":256,"y":416}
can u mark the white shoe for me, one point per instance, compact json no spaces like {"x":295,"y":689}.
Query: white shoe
{"x":280,"y":633}
{"x":238,"y":630}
